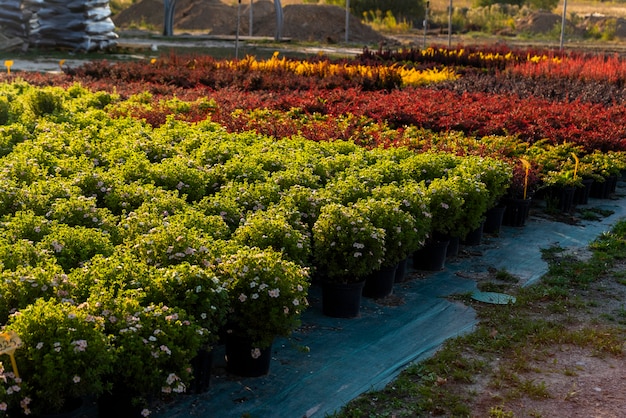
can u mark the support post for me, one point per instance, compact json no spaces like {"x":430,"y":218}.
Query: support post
{"x":563,"y":25}
{"x":237,"y":31}
{"x":347,"y":20}
{"x":168,"y":22}
{"x":425,"y":23}
{"x":279,"y":20}
{"x":251,"y":20}
{"x":450,"y":25}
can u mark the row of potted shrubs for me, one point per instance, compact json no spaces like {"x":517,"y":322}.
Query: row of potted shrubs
{"x":125,"y":250}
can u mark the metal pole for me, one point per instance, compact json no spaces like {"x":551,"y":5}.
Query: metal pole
{"x":450,"y":24}
{"x":279,"y":20}
{"x":251,"y":20}
{"x":425,"y":22}
{"x":347,"y":20}
{"x":237,"y":32}
{"x":168,"y":21}
{"x":563,"y":24}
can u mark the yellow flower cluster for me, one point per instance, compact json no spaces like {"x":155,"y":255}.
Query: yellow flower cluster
{"x":536,"y":59}
{"x":413,"y":77}
{"x":324,"y":68}
{"x":487,"y":56}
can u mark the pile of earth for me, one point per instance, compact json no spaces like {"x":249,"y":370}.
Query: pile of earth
{"x":303,"y":22}
{"x":593,"y":24}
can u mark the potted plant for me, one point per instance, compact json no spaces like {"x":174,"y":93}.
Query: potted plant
{"x":525,"y":179}
{"x":411,"y":197}
{"x":65,"y":356}
{"x":605,"y":169}
{"x":73,"y":246}
{"x":445,"y":206}
{"x":524,"y":184}
{"x":24,"y":285}
{"x":346,"y":245}
{"x":346,"y":248}
{"x":267,"y":296}
{"x":429,"y":165}
{"x":153,"y":346}
{"x":403,"y":236}
{"x":559,"y":172}
{"x":560,"y":187}
{"x":195,"y":289}
{"x":278,"y":228}
{"x":198,"y":291}
{"x":496,"y":174}
{"x":170,"y":244}
{"x":475,"y":199}
{"x":306,"y":201}
{"x":350,"y":186}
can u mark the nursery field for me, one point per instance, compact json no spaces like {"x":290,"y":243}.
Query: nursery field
{"x":154,"y":210}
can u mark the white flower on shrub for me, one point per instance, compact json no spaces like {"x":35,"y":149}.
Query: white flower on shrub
{"x":79,"y":345}
{"x":57,"y":246}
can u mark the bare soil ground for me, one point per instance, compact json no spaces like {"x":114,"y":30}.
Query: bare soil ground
{"x":303,"y":22}
{"x":561,"y":379}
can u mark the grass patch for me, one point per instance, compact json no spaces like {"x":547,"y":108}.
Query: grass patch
{"x":594,"y":214}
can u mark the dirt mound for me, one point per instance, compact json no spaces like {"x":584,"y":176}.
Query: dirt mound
{"x":304,"y":22}
{"x":538,"y":22}
{"x":595,"y":24}
{"x":610,"y":26}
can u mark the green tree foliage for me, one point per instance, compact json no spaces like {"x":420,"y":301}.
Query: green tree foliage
{"x":402,"y":10}
{"x":543,"y":4}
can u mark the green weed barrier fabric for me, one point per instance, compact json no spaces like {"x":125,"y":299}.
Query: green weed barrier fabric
{"x":346,"y":357}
